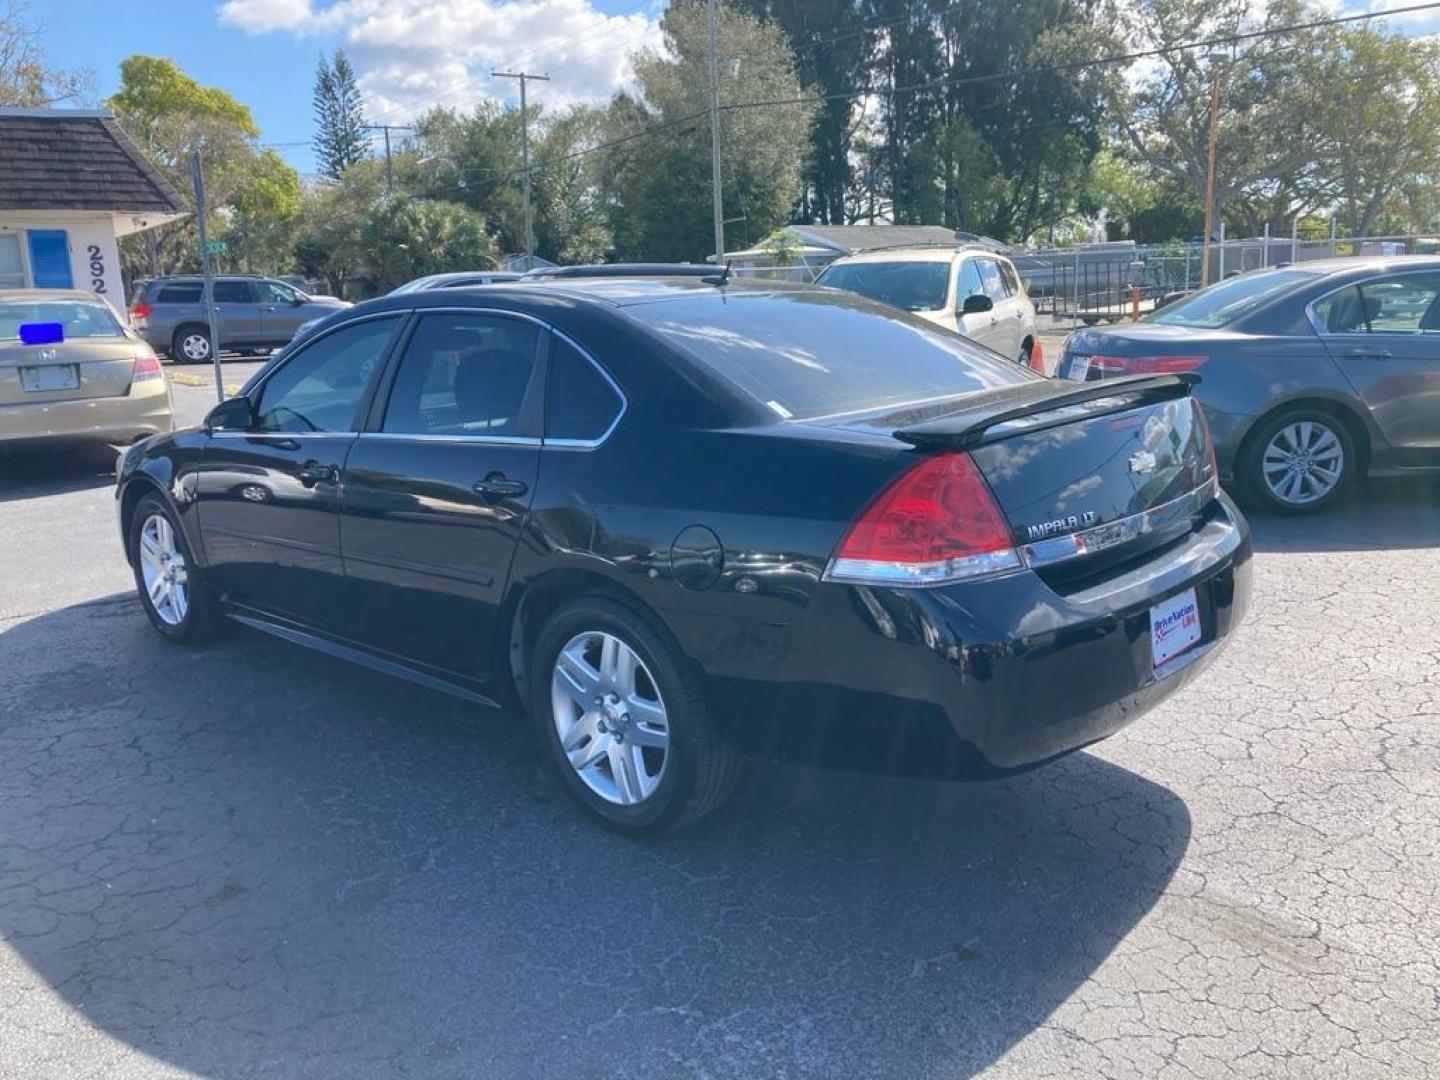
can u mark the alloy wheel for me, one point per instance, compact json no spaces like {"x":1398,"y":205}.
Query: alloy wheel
{"x":610,"y":717}
{"x":162,"y":567}
{"x":195,"y":347}
{"x":1303,"y":462}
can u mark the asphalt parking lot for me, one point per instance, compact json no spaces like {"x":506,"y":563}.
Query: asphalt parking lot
{"x":250,"y":860}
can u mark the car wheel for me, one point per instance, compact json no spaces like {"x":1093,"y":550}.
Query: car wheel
{"x":191,"y":345}
{"x":1027,"y":350}
{"x":1299,"y":461}
{"x":621,"y":714}
{"x":172,"y":591}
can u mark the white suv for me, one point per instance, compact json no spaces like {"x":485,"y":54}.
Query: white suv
{"x":972,"y":291}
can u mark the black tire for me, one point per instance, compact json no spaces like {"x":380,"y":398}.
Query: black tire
{"x":201,"y":619}
{"x":1027,"y":350}
{"x":700,"y":770}
{"x":1250,"y":470}
{"x":195,"y":332}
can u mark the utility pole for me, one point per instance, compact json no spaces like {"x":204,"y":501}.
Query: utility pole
{"x":389,"y":172}
{"x":1210,"y":169}
{"x":715,"y":187}
{"x":524,"y":151}
{"x":197,"y":177}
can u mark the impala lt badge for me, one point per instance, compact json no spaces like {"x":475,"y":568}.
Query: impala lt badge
{"x":1062,"y":525}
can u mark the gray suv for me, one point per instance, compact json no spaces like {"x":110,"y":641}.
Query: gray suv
{"x":252,"y":313}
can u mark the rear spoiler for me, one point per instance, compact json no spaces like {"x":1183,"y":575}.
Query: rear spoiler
{"x":967,"y":426}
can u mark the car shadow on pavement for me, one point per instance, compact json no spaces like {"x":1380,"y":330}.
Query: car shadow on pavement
{"x":251,"y":860}
{"x":32,"y":474}
{"x":1396,"y":514}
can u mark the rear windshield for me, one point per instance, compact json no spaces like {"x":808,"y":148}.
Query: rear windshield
{"x":1226,"y":301}
{"x":910,"y":286}
{"x":81,"y":318}
{"x":805,"y":355}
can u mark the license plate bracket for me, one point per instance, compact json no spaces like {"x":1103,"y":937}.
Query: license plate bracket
{"x":1174,"y":627}
{"x":49,"y":377}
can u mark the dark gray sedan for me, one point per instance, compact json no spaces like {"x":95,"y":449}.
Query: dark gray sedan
{"x":1312,"y":374}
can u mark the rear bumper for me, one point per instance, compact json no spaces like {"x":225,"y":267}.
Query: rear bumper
{"x":990,"y":676}
{"x":146,"y":410}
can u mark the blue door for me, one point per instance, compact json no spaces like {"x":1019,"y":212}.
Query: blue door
{"x":50,"y":259}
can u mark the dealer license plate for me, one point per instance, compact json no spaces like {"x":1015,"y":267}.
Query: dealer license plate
{"x":50,"y":377}
{"x":1079,"y":368}
{"x":1174,"y":627}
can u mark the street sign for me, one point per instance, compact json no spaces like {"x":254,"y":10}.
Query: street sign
{"x":215,"y":247}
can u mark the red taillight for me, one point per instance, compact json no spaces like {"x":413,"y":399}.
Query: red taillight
{"x":1146,"y":365}
{"x":1037,"y":359}
{"x":140,"y":311}
{"x":145,"y":367}
{"x":938,"y":522}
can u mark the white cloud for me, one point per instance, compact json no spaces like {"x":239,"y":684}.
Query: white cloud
{"x":414,"y":54}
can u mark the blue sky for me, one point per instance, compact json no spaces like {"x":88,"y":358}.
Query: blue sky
{"x":409,"y":53}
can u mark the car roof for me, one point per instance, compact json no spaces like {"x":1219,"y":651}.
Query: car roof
{"x":1366,"y":264}
{"x":920,"y":253}
{"x":48,"y":294}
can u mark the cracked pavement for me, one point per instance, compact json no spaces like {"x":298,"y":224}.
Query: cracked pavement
{"x":250,"y":860}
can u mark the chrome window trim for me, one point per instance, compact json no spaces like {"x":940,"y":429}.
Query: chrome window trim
{"x":587,"y":444}
{"x":1074,"y":545}
{"x":1318,"y":325}
{"x":405,"y":436}
{"x":262,"y":434}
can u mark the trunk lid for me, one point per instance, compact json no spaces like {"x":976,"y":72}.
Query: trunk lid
{"x":1086,"y":474}
{"x":76,"y":370}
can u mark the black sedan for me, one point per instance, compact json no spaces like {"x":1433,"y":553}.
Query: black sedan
{"x":683,"y":521}
{"x":1312,"y":375}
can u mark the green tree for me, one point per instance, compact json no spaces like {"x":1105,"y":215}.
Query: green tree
{"x":832,"y":43}
{"x":657,"y":182}
{"x":570,"y":220}
{"x":340,"y":139}
{"x":407,"y":238}
{"x":1269,"y":123}
{"x":472,"y":159}
{"x":27,"y":78}
{"x":171,"y":115}
{"x":1381,"y":107}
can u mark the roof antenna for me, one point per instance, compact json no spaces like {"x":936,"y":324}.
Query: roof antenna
{"x":722,"y":278}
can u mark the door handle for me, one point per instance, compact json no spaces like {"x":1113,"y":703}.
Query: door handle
{"x":312,"y":472}
{"x":1368,"y":354}
{"x":499,"y":486}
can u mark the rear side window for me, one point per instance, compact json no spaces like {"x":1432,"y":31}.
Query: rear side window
{"x":582,"y":404}
{"x":994,"y":284}
{"x":320,"y":387}
{"x":234,"y":292}
{"x":464,"y":374}
{"x":811,"y":354}
{"x":1012,"y":280}
{"x":179,"y":294}
{"x":1402,"y":304}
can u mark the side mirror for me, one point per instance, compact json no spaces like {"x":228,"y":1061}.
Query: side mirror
{"x":976,"y":304}
{"x":297,"y":301}
{"x":232,"y":414}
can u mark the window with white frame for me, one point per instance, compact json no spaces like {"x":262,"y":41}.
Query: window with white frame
{"x":12,"y":270}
